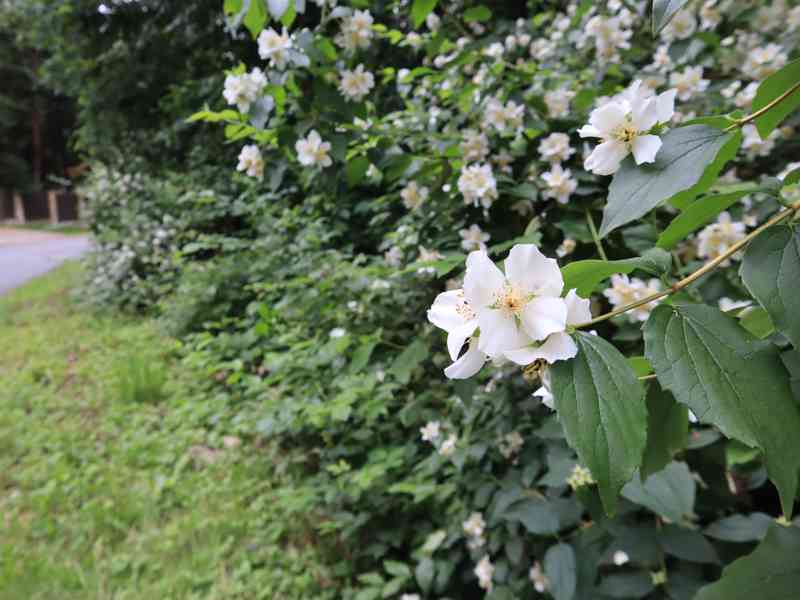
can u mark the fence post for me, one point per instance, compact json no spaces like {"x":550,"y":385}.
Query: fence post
{"x":52,"y":206}
{"x":19,"y":209}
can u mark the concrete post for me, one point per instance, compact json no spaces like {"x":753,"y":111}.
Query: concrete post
{"x":19,"y":209}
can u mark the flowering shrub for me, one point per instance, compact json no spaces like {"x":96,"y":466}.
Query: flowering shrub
{"x":395,"y":138}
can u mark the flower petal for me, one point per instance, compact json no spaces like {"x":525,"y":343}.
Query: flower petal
{"x":578,"y":309}
{"x":606,"y":158}
{"x":665,"y":106}
{"x":546,"y":396}
{"x":559,"y":346}
{"x":644,"y":114}
{"x":543,"y":316}
{"x":532,"y":272}
{"x":468,"y":365}
{"x":483,"y":281}
{"x":608,"y":117}
{"x":499,"y":332}
{"x":457,"y":337}
{"x":645,"y":148}
{"x":589,"y":131}
{"x":444,"y":314}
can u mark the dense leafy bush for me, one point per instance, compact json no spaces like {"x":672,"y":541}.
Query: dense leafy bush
{"x":381,"y":145}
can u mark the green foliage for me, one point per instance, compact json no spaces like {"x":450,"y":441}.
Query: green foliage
{"x":783,"y":84}
{"x":662,"y":12}
{"x":140,"y":379}
{"x":667,"y":430}
{"x":697,"y":214}
{"x":587,"y":275}
{"x":601,"y":405}
{"x":770,"y":270}
{"x":688,"y":155}
{"x":716,"y":368}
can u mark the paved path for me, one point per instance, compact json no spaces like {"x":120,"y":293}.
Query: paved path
{"x":28,"y":254}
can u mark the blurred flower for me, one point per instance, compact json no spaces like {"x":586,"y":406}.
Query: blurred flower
{"x":243,"y":90}
{"x":431,"y":431}
{"x":313,"y":152}
{"x":473,"y":238}
{"x":478,"y":186}
{"x":624,"y":291}
{"x":484,"y":570}
{"x":559,"y":184}
{"x":717,"y":238}
{"x":356,"y":84}
{"x":251,"y":161}
{"x":413,"y":196}
{"x":274,"y":47}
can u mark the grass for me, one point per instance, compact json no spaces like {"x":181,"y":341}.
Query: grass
{"x":117,"y":480}
{"x":67,"y":228}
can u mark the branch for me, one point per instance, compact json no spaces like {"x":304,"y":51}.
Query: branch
{"x":708,"y":267}
{"x":745,"y":120}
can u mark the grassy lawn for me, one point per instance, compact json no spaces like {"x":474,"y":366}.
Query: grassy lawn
{"x":113,"y":483}
{"x":69,"y":228}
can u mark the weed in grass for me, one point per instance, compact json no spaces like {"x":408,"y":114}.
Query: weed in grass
{"x":140,"y":379}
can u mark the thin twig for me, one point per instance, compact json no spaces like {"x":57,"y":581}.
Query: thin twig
{"x":705,"y":269}
{"x":646,"y":377}
{"x":595,"y":236}
{"x":745,"y":120}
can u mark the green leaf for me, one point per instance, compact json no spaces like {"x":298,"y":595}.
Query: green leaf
{"x":667,"y":430}
{"x":663,"y":11}
{"x":771,"y":273}
{"x":424,"y":573}
{"x":408,"y":360}
{"x":626,"y":585}
{"x":420,"y":10}
{"x":561,"y":571}
{"x":687,"y":544}
{"x":740,"y":528}
{"x":640,"y":365}
{"x":687,"y":164}
{"x":397,"y":569}
{"x":356,"y":169}
{"x":772,"y":88}
{"x":537,"y":516}
{"x":771,"y":572}
{"x":479,"y":14}
{"x":730,"y":379}
{"x":699,"y":213}
{"x":601,"y":405}
{"x":757,"y":321}
{"x":256,"y":17}
{"x":792,"y":177}
{"x":669,"y":493}
{"x":587,"y":275}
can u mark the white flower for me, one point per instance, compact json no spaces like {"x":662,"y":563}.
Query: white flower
{"x":338,"y":332}
{"x":484,"y":570}
{"x":620,"y":558}
{"x":682,"y":26}
{"x":243,"y":90}
{"x":274,"y":47}
{"x":432,"y":21}
{"x":555,"y":148}
{"x":449,"y":445}
{"x":762,"y":62}
{"x":410,"y":597}
{"x":356,"y":84}
{"x":544,"y":392}
{"x":474,"y":526}
{"x":626,"y":290}
{"x":661,"y":59}
{"x":413,"y":196}
{"x":516,"y":308}
{"x":511,"y":444}
{"x":478,"y":185}
{"x":559,"y":184}
{"x":431,"y":431}
{"x":610,"y":37}
{"x":710,"y":16}
{"x":752,"y":143}
{"x":356,"y":31}
{"x":251,"y":161}
{"x":393,"y":256}
{"x":540,"y":583}
{"x":557,"y":102}
{"x":623,"y":124}
{"x":452,"y":312}
{"x":473,"y":238}
{"x":566,"y":247}
{"x":312,"y":151}
{"x":475,"y":145}
{"x":726,"y":304}
{"x":503,"y":117}
{"x":717,"y":238}
{"x":580,"y":477}
{"x":689,"y":82}
{"x":745,"y":98}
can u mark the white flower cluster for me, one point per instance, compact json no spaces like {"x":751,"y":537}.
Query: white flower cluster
{"x":432,"y":433}
{"x":625,"y":290}
{"x":520,"y":314}
{"x":313,"y":152}
{"x":716,"y":239}
{"x":474,"y":528}
{"x":243,"y":90}
{"x":356,"y":32}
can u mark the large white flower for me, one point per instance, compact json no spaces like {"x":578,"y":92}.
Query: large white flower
{"x":312,"y":151}
{"x":251,"y":161}
{"x":558,"y":345}
{"x":517,"y":307}
{"x":623,"y":125}
{"x":274,"y":47}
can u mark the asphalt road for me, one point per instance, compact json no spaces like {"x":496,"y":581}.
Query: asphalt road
{"x":25,"y":255}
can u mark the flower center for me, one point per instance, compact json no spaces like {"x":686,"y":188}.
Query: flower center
{"x":511,"y":301}
{"x":626,"y":133}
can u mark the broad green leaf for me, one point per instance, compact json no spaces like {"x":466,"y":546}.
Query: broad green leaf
{"x":687,"y":544}
{"x":663,"y":11}
{"x":740,"y":528}
{"x":420,"y":10}
{"x":626,"y":585}
{"x":356,"y":169}
{"x":667,"y":430}
{"x":731,"y":380}
{"x":601,"y":405}
{"x":699,"y":213}
{"x":772,"y":88}
{"x":587,"y":275}
{"x":771,"y":572}
{"x":771,"y":272}
{"x":669,"y":493}
{"x":478,"y":14}
{"x":687,"y":164}
{"x":640,"y":365}
{"x":537,"y":516}
{"x":560,"y":568}
{"x":792,"y":177}
{"x":256,"y":17}
{"x":424,"y":574}
{"x":757,"y":321}
{"x":408,"y":360}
